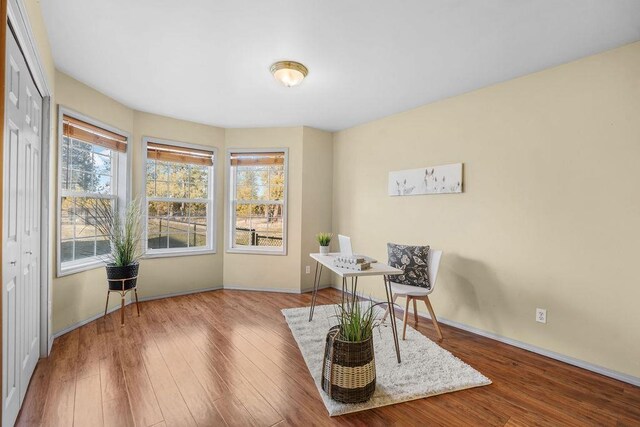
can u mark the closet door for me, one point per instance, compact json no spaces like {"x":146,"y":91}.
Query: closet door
{"x":30,"y":233}
{"x":21,"y":231}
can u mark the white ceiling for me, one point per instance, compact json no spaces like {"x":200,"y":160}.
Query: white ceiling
{"x":208,"y":60}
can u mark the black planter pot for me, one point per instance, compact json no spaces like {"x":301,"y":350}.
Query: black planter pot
{"x":125,"y":272}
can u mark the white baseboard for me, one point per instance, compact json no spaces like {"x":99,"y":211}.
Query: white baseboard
{"x":177,"y":294}
{"x":169,"y":295}
{"x":149,"y":298}
{"x":84,"y":322}
{"x":510,"y":341}
{"x":305,"y":290}
{"x":534,"y":349}
{"x":544,"y":352}
{"x":243,"y":288}
{"x":284,"y":291}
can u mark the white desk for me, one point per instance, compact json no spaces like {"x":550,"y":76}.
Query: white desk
{"x":377,"y":269}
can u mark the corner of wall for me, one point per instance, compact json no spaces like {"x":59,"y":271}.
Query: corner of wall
{"x":317,"y":202}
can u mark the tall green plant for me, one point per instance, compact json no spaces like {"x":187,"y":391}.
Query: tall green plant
{"x":124,"y":231}
{"x":356,"y":323}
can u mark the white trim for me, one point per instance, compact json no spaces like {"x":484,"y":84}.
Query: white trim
{"x":543,"y":352}
{"x":85,"y":321}
{"x":229,"y":225}
{"x":79,"y":266}
{"x":123,"y":199}
{"x":251,"y":250}
{"x":169,"y":295}
{"x":18,"y":20}
{"x":181,"y":293}
{"x":178,"y":252}
{"x":532,"y":348}
{"x":310,"y":289}
{"x":46,"y":294}
{"x":277,"y":290}
{"x":117,"y":307}
{"x":212,"y":217}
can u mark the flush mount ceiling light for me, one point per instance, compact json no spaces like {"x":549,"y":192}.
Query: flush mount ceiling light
{"x":289,"y":73}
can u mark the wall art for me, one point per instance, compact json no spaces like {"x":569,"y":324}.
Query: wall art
{"x":430,"y":180}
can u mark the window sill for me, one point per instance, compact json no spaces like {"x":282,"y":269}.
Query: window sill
{"x":252,"y":251}
{"x":178,"y":253}
{"x":79,"y":268}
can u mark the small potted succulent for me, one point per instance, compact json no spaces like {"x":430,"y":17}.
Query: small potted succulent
{"x":324,"y":239}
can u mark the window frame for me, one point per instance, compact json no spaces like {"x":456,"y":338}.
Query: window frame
{"x":231,"y":201}
{"x":121,"y":195}
{"x":211,"y":247}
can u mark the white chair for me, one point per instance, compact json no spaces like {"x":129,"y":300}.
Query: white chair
{"x":413,"y":293}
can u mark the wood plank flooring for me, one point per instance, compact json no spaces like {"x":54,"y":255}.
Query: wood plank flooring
{"x":228,"y":358}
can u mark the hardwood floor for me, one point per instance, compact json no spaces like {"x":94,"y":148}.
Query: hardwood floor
{"x":228,"y":358}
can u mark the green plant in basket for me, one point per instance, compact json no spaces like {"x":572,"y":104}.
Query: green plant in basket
{"x":349,"y":366}
{"x":357,"y":322}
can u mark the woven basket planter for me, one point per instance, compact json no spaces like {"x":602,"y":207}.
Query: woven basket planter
{"x":349,"y":369}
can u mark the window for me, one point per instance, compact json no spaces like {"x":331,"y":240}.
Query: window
{"x":258,"y":201}
{"x":179,"y":196}
{"x":93,"y":166}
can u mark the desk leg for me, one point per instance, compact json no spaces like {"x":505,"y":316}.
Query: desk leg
{"x":316,"y":285}
{"x":392,"y":312}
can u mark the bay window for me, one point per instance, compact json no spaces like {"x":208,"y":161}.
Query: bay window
{"x":92,"y":169}
{"x":258,"y":201}
{"x":179,"y":189}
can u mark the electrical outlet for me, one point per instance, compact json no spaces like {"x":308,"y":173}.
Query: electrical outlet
{"x":307,"y":269}
{"x":541,"y":315}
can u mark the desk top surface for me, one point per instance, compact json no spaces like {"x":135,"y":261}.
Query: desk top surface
{"x":377,"y":268}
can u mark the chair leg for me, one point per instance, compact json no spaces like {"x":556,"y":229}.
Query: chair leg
{"x":135,"y":291}
{"x":406,"y":317}
{"x":106,"y":306}
{"x":415,"y":310}
{"x":386,"y":313}
{"x":433,"y":317}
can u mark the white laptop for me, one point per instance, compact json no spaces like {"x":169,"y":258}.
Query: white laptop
{"x":346,"y":249}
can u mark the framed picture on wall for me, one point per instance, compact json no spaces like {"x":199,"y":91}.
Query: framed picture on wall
{"x":441,"y":179}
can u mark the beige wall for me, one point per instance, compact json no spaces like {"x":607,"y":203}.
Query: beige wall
{"x":41,"y":39}
{"x":549,"y":216}
{"x":161,"y":276}
{"x":257,"y":271}
{"x":80,"y":296}
{"x":317,"y":199}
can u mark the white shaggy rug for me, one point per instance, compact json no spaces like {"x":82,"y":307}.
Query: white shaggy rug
{"x":426,"y":369}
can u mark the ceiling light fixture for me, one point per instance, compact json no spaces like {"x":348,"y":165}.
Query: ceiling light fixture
{"x":289,"y":73}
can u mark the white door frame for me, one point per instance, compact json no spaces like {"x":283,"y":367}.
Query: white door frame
{"x":18,"y":18}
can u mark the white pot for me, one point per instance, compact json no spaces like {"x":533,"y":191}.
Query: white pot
{"x":324,"y":250}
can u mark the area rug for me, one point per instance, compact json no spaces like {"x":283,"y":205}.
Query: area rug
{"x":426,"y":369}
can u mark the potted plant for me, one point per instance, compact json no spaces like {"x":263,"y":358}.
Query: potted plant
{"x":324,"y":239}
{"x":124,"y":232}
{"x":349,"y":367}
